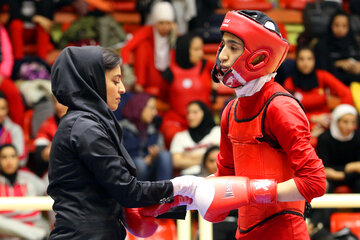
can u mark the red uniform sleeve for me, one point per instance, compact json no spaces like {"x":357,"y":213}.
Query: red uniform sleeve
{"x":142,"y":54}
{"x":225,"y":162}
{"x":134,"y":43}
{"x":287,"y":123}
{"x":312,"y":99}
{"x":15,"y":101}
{"x":336,"y":86}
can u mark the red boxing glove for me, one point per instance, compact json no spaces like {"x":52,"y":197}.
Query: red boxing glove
{"x":216,"y":196}
{"x":138,"y":225}
{"x":156,"y":210}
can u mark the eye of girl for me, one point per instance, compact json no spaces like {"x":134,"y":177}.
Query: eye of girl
{"x":233,"y":47}
{"x":117,"y":80}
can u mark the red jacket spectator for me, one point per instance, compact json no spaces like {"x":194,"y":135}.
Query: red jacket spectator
{"x":142,"y":46}
{"x":151,"y":46}
{"x":316,"y":99}
{"x":7,"y":86}
{"x":190,"y":80}
{"x":316,"y":89}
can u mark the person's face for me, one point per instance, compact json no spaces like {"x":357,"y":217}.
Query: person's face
{"x":114,"y":87}
{"x":194,"y":115}
{"x":305,"y":61}
{"x":164,"y":27}
{"x":233,"y":47}
{"x":210,"y":162}
{"x":3,"y":109}
{"x":9,"y":160}
{"x":60,"y":109}
{"x":196,"y":50}
{"x":340,"y":26}
{"x":347,"y":124}
{"x":149,"y":111}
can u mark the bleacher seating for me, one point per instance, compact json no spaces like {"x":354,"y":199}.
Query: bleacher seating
{"x":294,"y":4}
{"x":262,"y":5}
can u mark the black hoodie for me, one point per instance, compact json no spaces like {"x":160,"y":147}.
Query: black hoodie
{"x":90,"y":173}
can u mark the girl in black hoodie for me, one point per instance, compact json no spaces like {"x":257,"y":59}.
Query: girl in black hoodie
{"x":91,"y":175}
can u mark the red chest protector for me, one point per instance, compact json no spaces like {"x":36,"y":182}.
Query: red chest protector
{"x":187,"y":86}
{"x":258,"y":157}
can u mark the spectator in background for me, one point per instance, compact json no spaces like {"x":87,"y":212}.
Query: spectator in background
{"x":204,"y":10}
{"x":339,"y":148}
{"x":142,"y":139}
{"x":188,"y":146}
{"x":44,"y":138}
{"x":30,"y":19}
{"x":7,"y":86}
{"x":317,"y":90}
{"x":151,"y":46}
{"x":11,"y":132}
{"x":338,"y":52}
{"x":15,"y":182}
{"x":33,"y":77}
{"x":190,"y":80}
{"x":208,"y":164}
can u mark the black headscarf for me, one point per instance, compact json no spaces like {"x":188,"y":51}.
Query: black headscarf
{"x":12,"y":176}
{"x":78,"y":81}
{"x":341,"y":48}
{"x":182,"y":54}
{"x":305,"y":82}
{"x":207,"y":123}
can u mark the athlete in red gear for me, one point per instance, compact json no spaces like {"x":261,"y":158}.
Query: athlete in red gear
{"x":264,"y":131}
{"x":267,"y":167}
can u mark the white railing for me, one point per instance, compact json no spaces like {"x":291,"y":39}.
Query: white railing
{"x":183,"y":226}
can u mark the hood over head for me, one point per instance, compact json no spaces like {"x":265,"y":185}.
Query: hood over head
{"x":78,"y":78}
{"x":78,"y":81}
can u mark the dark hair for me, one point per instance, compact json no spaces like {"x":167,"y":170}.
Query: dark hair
{"x":208,"y":151}
{"x":111,"y":58}
{"x":182,"y":53}
{"x":204,"y":170}
{"x":2,"y":95}
{"x":8,"y":145}
{"x":304,"y":47}
{"x":339,"y":12}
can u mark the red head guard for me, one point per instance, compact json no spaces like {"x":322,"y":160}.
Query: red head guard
{"x":261,"y":36}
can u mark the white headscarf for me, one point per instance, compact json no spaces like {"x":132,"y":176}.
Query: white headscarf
{"x":253,"y":86}
{"x":336,"y":114}
{"x":162,"y":11}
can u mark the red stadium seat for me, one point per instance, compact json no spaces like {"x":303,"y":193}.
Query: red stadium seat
{"x":261,"y":5}
{"x":166,"y":230}
{"x":294,"y":4}
{"x":340,"y":220}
